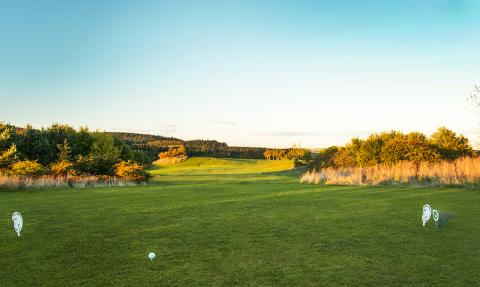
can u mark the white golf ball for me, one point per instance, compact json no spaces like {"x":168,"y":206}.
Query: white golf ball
{"x":151,"y":255}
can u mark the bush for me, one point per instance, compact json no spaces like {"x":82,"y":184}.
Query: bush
{"x":28,"y":168}
{"x":8,"y":156}
{"x":131,"y":170}
{"x":173,"y":152}
{"x":63,"y":168}
{"x":84,"y":165}
{"x":94,"y":165}
{"x":325,"y":157}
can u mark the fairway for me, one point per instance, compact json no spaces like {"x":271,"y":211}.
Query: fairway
{"x":225,"y":222}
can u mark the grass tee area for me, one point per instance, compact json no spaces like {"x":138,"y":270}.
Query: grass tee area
{"x":216,"y":222}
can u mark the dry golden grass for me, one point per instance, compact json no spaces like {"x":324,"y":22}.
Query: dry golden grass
{"x":464,"y":170}
{"x":16,"y":182}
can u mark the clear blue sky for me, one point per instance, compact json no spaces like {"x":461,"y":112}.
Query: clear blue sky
{"x":257,"y":73}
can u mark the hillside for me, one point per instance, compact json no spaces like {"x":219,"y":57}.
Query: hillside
{"x":154,"y":144}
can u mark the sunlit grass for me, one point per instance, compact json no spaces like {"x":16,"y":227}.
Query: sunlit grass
{"x":249,"y":227}
{"x":212,"y":166}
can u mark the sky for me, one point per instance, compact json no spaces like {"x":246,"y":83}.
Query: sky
{"x":249,"y":73}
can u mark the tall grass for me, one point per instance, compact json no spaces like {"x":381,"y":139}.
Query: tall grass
{"x":18,"y":182}
{"x":462,"y":171}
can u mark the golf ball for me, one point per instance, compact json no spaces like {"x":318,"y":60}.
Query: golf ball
{"x":151,"y":255}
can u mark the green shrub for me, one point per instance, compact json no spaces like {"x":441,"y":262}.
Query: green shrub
{"x":325,"y":157}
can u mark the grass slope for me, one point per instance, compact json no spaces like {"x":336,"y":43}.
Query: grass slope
{"x":205,"y":165}
{"x":249,"y":226}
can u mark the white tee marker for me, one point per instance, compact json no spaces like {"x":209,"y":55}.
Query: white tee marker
{"x":427,"y":213}
{"x":17,"y":222}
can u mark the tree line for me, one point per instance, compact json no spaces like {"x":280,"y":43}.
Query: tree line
{"x":62,"y":150}
{"x":299,"y":155}
{"x":389,"y":148}
{"x":153,"y":145}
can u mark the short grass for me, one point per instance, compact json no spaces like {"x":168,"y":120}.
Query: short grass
{"x":215,"y":166}
{"x":244,"y":224}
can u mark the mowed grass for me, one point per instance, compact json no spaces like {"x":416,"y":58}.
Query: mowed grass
{"x":248,"y":224}
{"x":219,"y":166}
{"x":218,"y":170}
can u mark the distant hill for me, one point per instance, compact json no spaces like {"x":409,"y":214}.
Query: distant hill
{"x":154,"y":144}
